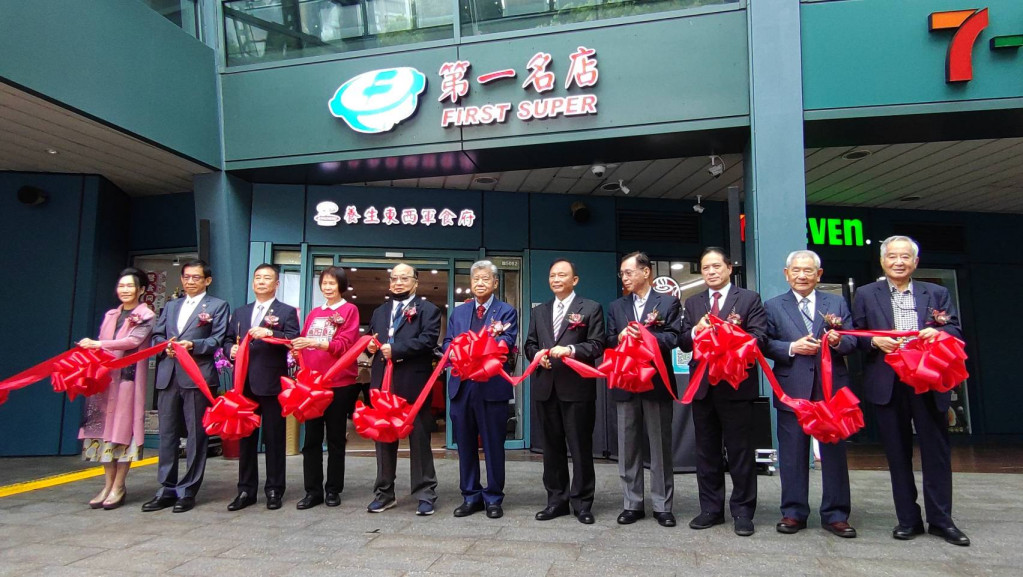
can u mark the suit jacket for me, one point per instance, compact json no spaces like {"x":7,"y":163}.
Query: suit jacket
{"x":415,"y":341}
{"x":587,"y":339}
{"x":496,"y":389}
{"x":798,"y":374}
{"x":621,"y":311}
{"x":206,"y":338}
{"x":742,"y":302}
{"x":267,"y":363}
{"x":872,"y":310}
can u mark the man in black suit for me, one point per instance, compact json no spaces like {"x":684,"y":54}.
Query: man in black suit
{"x":649,"y":412}
{"x":266,"y":317}
{"x":795,"y":331}
{"x":197,"y":322}
{"x":409,"y":327}
{"x":901,"y":303}
{"x":569,"y":326}
{"x":722,"y":414}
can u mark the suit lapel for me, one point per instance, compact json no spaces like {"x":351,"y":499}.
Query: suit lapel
{"x":575,"y":308}
{"x":884,"y":302}
{"x":653,"y":300}
{"x":820,"y":310}
{"x":729,"y":305}
{"x":922,"y":298}
{"x":195,"y":313}
{"x":792,"y":308}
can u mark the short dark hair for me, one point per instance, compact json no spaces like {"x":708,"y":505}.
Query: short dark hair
{"x":571,"y":264}
{"x":718,"y":250}
{"x":273,"y":267}
{"x":141,"y":279}
{"x":339,"y":275}
{"x":207,"y":272}
{"x":641,"y":258}
{"x":415,"y":271}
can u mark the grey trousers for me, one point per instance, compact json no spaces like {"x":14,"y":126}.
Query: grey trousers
{"x":422,"y":473}
{"x":635,"y":417}
{"x":177,"y":406}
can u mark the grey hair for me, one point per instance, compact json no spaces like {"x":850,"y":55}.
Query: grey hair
{"x":897,"y":238}
{"x":483,"y":264}
{"x":803,"y":253}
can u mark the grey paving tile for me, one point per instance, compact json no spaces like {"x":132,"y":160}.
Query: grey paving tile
{"x":111,"y":539}
{"x":640,"y":555}
{"x":388,"y":559}
{"x":491,"y":565}
{"x":114,"y":561}
{"x":747,"y":564}
{"x":422,"y":543}
{"x":185,"y":547}
{"x":585,"y":568}
{"x":885,"y":568}
{"x":17,"y":569}
{"x":221,"y":567}
{"x":525,"y":550}
{"x":47,"y":554}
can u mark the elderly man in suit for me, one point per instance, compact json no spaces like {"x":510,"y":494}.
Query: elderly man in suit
{"x":409,"y":327}
{"x":566,"y":326}
{"x":479,"y":410}
{"x":265,"y":317}
{"x":722,"y":414}
{"x":796,"y":331}
{"x":197,"y":322}
{"x":901,"y":303}
{"x":649,"y":413}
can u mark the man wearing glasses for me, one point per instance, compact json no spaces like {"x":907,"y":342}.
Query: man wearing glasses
{"x":898,"y":302}
{"x":197,"y":322}
{"x":479,"y":410}
{"x":408,"y":327}
{"x":650,"y":412}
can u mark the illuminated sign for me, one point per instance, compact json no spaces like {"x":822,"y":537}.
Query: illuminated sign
{"x":376,"y":101}
{"x":967,"y":24}
{"x":835,"y":231}
{"x":327,"y":215}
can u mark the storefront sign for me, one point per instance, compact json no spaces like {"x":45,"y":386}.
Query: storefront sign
{"x":377,"y":101}
{"x":967,"y":24}
{"x":668,"y":286}
{"x":327,"y":215}
{"x":835,"y":231}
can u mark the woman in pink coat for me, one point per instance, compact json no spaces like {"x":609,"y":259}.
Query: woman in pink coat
{"x":112,"y":430}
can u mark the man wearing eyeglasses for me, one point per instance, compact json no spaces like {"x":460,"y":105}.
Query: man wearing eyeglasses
{"x":408,"y":326}
{"x":901,"y":303}
{"x":197,"y":322}
{"x":647,"y":413}
{"x":479,"y":410}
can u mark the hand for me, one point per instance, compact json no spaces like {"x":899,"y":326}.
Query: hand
{"x":170,"y":350}
{"x":704,"y":324}
{"x":928,"y":334}
{"x":260,"y":332}
{"x":186,"y":344}
{"x":386,"y":351}
{"x":806,"y":346}
{"x":833,"y":339}
{"x":88,"y":344}
{"x":559,"y":352}
{"x":374,"y":346}
{"x":234,"y":351}
{"x":886,"y":344}
{"x":304,"y":343}
{"x":545,"y":361}
{"x":629,"y":330}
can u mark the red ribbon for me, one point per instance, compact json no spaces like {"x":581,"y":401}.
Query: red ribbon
{"x":925,"y":365}
{"x":308,"y":394}
{"x":233,"y":415}
{"x":630,"y":366}
{"x":726,"y":353}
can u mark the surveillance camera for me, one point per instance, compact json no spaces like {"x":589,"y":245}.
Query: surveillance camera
{"x":717,"y":166}
{"x":698,"y":208}
{"x":598,"y":170}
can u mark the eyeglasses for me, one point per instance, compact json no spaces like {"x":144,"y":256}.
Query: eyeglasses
{"x":629,"y":273}
{"x":402,"y":278}
{"x":192,"y":277}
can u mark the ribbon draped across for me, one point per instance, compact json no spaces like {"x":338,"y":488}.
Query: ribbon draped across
{"x":937,"y":365}
{"x":233,"y":415}
{"x":630,"y":366}
{"x":308,"y":394}
{"x":726,"y":353}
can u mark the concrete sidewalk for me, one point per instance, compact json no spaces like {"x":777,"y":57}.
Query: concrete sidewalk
{"x":53,"y":532}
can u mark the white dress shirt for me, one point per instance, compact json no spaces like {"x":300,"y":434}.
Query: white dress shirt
{"x":187,"y":308}
{"x":258,"y":313}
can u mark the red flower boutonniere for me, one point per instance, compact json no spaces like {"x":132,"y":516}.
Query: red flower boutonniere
{"x":204,"y":317}
{"x":336,"y":319}
{"x":409,"y":313}
{"x":833,"y":321}
{"x":134,"y":319}
{"x":269,"y":320}
{"x":734,"y":318}
{"x":575,"y":320}
{"x":654,"y":319}
{"x":939,"y":318}
{"x":497,"y":328}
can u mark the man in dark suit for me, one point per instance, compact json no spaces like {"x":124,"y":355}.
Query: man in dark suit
{"x":197,"y":322}
{"x":479,"y":410}
{"x":722,"y":414}
{"x":568,"y":326}
{"x":409,"y":328}
{"x":898,"y":302}
{"x":649,"y":412}
{"x":266,"y":317}
{"x":795,"y":329}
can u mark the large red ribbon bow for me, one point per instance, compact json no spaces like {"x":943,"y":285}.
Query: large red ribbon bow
{"x":478,"y":356}
{"x":925,"y":365}
{"x":309,"y":393}
{"x":390,"y":417}
{"x":630,"y":366}
{"x":726,"y":353}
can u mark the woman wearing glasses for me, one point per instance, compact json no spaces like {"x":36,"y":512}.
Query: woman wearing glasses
{"x":112,"y":430}
{"x":329,"y":331}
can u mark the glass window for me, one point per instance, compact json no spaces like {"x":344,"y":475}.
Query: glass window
{"x":270,"y":30}
{"x":182,"y":13}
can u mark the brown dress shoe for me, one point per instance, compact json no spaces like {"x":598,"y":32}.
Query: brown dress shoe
{"x":840,"y":528}
{"x":790,"y":526}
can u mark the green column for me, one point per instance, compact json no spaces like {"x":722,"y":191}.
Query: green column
{"x":226,"y":201}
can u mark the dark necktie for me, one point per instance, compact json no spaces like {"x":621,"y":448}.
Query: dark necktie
{"x":804,"y":308}
{"x":558,"y":318}
{"x":480,"y":310}
{"x":715,"y":308}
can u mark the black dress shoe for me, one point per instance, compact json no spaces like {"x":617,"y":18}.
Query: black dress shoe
{"x":333,"y":499}
{"x":158,"y":504}
{"x":495,"y":511}
{"x":706,"y":521}
{"x":309,"y":501}
{"x":840,"y":528}
{"x":467,"y":508}
{"x":904,"y":533}
{"x":790,"y":526}
{"x":743,"y":526}
{"x":551,"y":513}
{"x":586,"y":518}
{"x":630,"y":516}
{"x":242,"y":501}
{"x":665,"y":519}
{"x":274,"y":500}
{"x":184,"y":504}
{"x":950,"y":534}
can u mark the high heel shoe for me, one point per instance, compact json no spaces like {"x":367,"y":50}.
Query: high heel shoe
{"x":109,"y":504}
{"x":97,"y":501}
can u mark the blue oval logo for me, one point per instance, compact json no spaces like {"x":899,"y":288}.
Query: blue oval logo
{"x":376,"y":101}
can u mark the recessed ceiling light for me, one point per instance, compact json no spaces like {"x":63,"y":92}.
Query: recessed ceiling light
{"x":856,"y":154}
{"x":51,"y":151}
{"x":485,"y":180}
{"x":910,"y":198}
{"x":351,"y":288}
{"x":434,"y":271}
{"x":353,"y":269}
{"x":355,"y":296}
{"x":610,"y":187}
{"x":677,"y":266}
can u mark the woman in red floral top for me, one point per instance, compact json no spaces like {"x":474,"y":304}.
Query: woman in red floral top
{"x":329,"y":331}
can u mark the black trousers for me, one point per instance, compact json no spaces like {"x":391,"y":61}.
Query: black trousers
{"x":567,"y":425}
{"x":335,"y":422}
{"x":716,"y":421}
{"x":273,"y":428}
